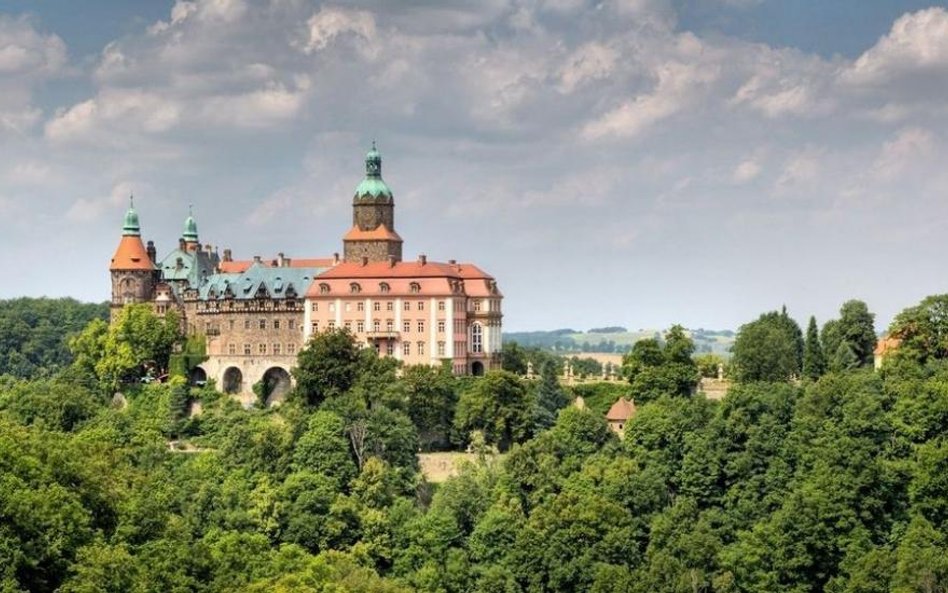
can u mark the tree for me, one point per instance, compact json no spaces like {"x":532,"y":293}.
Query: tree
{"x":550,"y":399}
{"x":431,"y":397}
{"x":497,"y":405}
{"x":768,"y":349}
{"x":655,"y":369}
{"x":139,"y":342}
{"x":923,"y":329}
{"x":34,"y":333}
{"x":856,"y":329}
{"x":814,"y":363}
{"x":327,"y":367}
{"x":324,"y":449}
{"x":513,"y":358}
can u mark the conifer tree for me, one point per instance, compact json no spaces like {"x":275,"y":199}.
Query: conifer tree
{"x":550,"y":399}
{"x":814,"y":361}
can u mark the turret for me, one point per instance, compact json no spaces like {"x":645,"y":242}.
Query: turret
{"x":132,"y":268}
{"x":373,"y":217}
{"x":190,"y":234}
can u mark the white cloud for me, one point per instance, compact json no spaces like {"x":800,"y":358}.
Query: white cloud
{"x":746,"y":171}
{"x":592,"y":61}
{"x":800,"y":170}
{"x":118,"y":111}
{"x":917,"y":43}
{"x":908,"y":148}
{"x":329,"y":24}
{"x":25,"y":51}
{"x":678,"y":85}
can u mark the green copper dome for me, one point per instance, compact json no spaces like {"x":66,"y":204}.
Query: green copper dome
{"x":131,"y":226}
{"x":190,"y":229}
{"x":372,"y":185}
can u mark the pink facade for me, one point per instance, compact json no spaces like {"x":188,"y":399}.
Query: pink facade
{"x":418,"y":312}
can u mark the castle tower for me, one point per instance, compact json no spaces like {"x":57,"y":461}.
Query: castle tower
{"x":373,"y":233}
{"x":132,"y":269}
{"x":190,"y":235}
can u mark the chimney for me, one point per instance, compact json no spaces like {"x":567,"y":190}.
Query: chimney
{"x":178,"y":263}
{"x":391,"y":261}
{"x":365,"y":260}
{"x":453,"y":262}
{"x":182,"y":245}
{"x":335,"y":258}
{"x":423,"y":259}
{"x":152,"y":252}
{"x":228,"y":255}
{"x":207,"y":248}
{"x":286,"y":262}
{"x":256,"y":259}
{"x":280,"y":260}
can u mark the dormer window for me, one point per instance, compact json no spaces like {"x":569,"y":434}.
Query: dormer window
{"x":323,"y":288}
{"x":354,"y":288}
{"x":384,"y":287}
{"x":414,"y":288}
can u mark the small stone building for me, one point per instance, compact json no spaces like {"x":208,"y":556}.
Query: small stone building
{"x":619,"y":415}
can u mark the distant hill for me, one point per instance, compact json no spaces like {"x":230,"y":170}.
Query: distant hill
{"x":615,"y":339}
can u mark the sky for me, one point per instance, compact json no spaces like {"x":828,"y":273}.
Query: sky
{"x":610,"y":162}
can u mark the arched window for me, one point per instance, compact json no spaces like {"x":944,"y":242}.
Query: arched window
{"x":354,"y":288}
{"x":384,"y":287}
{"x":477,"y":338}
{"x":414,"y":288}
{"x":323,"y":288}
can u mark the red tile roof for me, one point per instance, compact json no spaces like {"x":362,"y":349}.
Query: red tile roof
{"x":886,"y":344}
{"x":622,"y":410}
{"x":131,"y":255}
{"x":380,"y":233}
{"x":433,"y":278}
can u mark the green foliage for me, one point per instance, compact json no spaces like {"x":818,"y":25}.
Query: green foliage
{"x":550,"y":398}
{"x":768,"y":349}
{"x":34,"y":333}
{"x":835,"y":484}
{"x":923,"y":330}
{"x":497,"y":405}
{"x":193,"y":354}
{"x":327,"y":367}
{"x":139,"y":343}
{"x":655,"y":369}
{"x":814,"y":362}
{"x":431,"y":395}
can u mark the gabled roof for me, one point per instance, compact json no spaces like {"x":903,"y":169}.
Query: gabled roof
{"x":621,"y":411}
{"x":131,"y":255}
{"x":258,"y":281}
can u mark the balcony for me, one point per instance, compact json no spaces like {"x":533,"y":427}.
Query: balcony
{"x":382,"y":335}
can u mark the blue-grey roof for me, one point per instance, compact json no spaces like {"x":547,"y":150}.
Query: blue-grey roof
{"x":259,"y":281}
{"x":195,"y":266}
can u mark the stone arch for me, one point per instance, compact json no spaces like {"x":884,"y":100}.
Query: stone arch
{"x":477,"y":368}
{"x":197,"y":376}
{"x":232,"y":380}
{"x":276,"y":383}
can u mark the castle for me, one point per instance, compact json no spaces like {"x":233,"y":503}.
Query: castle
{"x":256,"y":314}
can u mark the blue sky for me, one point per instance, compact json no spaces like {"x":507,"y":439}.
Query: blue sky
{"x":634,"y":162}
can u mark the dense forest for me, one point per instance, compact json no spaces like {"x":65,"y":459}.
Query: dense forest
{"x":34,"y":333}
{"x":814,"y":473}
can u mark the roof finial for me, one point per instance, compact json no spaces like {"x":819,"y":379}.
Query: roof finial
{"x":373,"y":144}
{"x":190,"y":209}
{"x":131,"y":200}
